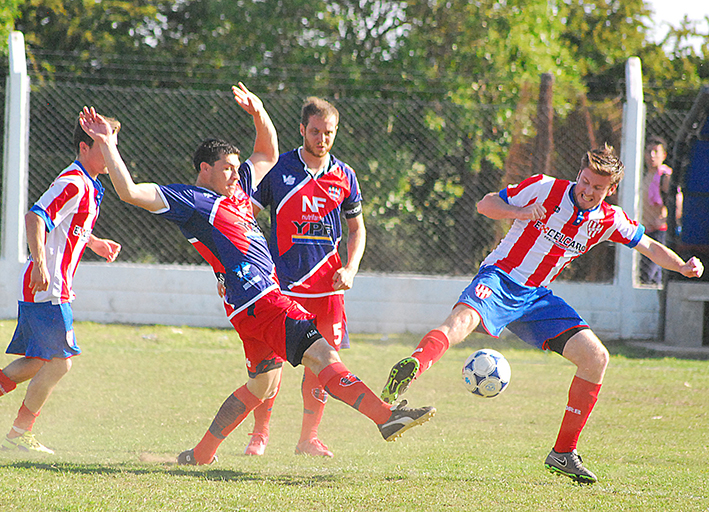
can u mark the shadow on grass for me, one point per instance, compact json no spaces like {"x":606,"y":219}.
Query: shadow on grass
{"x":218,"y":475}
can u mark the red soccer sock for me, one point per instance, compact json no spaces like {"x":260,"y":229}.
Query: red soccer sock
{"x":25,"y":419}
{"x":346,"y":387}
{"x":314,"y":399}
{"x":6,"y":384}
{"x":582,"y":397}
{"x":262,"y":414}
{"x":431,"y":348}
{"x":233,"y":411}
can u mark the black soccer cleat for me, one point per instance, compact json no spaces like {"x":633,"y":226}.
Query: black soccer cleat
{"x":569,"y":464}
{"x":186,"y":458}
{"x":403,"y":418}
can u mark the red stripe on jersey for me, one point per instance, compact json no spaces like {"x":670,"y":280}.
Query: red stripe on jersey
{"x":70,"y":259}
{"x":553,"y":256}
{"x":513,"y":190}
{"x":27,"y":294}
{"x":531,"y":234}
{"x":70,"y":190}
{"x":208,"y":256}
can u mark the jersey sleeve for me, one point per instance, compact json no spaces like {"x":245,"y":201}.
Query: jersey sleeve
{"x":524,"y":193}
{"x":352,"y":205}
{"x":263,"y":195}
{"x":625,"y":230}
{"x":60,"y":200}
{"x":246,"y":177}
{"x":180,"y":203}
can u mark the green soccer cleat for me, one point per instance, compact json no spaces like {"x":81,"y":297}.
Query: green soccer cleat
{"x":25,"y":443}
{"x":569,"y":464}
{"x":400,"y":377}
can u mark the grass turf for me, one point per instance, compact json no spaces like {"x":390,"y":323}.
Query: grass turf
{"x":141,"y":394}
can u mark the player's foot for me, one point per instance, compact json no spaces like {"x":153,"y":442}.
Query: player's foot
{"x":569,"y":464}
{"x":403,"y":418}
{"x":186,"y":458}
{"x":257,"y":445}
{"x":314,"y":447}
{"x":400,"y":376}
{"x":25,"y":443}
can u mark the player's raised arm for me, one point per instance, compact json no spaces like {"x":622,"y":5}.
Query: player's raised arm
{"x":265,"y":153}
{"x":145,"y":195}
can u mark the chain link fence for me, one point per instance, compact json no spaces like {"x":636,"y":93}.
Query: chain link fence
{"x":422,"y":165}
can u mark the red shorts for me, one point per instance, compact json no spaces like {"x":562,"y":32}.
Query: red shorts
{"x":273,"y":329}
{"x":330,"y":316}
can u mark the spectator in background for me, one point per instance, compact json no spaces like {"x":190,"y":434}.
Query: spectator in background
{"x":655,"y":189}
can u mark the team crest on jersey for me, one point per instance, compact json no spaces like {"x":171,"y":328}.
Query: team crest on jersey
{"x":289,"y":180}
{"x":334,"y":192}
{"x":594,"y":227}
{"x":482,"y":292}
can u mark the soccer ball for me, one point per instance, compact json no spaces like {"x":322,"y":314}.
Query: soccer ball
{"x":486,"y":373}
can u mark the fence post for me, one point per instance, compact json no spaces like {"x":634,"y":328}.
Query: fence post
{"x":629,"y":190}
{"x":15,"y":164}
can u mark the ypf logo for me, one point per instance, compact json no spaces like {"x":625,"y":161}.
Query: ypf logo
{"x":482,"y":292}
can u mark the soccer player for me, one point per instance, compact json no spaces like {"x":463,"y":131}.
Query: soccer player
{"x":216,"y":215}
{"x":307,"y":192}
{"x":555,"y":221}
{"x":58,"y":229}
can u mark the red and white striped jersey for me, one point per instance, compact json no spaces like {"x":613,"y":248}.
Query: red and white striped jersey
{"x":533,"y":253}
{"x":69,"y":209}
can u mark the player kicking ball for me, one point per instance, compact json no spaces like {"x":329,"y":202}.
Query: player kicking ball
{"x":216,"y":213}
{"x":555,"y":221}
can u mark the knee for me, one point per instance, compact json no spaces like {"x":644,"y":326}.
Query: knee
{"x":60,"y":367}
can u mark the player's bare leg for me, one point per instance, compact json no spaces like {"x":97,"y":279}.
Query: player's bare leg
{"x":589,"y":355}
{"x":46,"y":376}
{"x":460,"y":323}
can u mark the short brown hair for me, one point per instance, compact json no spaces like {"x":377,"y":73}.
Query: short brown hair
{"x":605,"y":162}
{"x":81,"y":136}
{"x":314,"y":106}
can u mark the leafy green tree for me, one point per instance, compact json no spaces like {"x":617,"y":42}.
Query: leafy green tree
{"x":8,"y":13}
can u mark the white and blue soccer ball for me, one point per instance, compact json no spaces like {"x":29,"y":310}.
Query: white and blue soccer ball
{"x":486,"y":373}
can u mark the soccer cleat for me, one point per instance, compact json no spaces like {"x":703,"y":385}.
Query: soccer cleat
{"x":257,"y":445}
{"x":25,"y":443}
{"x":403,"y":418}
{"x":186,"y":458}
{"x":314,"y":447}
{"x":400,"y":377}
{"x":569,"y":464}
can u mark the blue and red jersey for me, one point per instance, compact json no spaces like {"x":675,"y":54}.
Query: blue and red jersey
{"x":306,"y":226}
{"x":225,"y":233}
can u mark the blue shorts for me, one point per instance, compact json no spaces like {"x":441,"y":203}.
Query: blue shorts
{"x":533,"y":313}
{"x":45,"y":331}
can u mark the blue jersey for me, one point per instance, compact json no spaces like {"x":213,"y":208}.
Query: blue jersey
{"x":225,"y":232}
{"x":306,"y":226}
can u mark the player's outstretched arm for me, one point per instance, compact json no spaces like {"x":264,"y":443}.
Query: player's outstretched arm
{"x":494,"y":207}
{"x":668,"y":259}
{"x":145,"y":195}
{"x":265,"y":154}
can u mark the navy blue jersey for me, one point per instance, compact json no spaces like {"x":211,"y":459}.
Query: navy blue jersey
{"x":225,"y":232}
{"x":306,"y":226}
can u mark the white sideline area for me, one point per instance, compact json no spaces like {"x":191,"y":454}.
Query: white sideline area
{"x":186,"y":295}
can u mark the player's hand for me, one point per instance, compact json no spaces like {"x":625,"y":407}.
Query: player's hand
{"x":693,"y":268}
{"x":95,"y":125}
{"x":246,"y":99}
{"x":106,"y":248}
{"x":534,"y":211}
{"x":221,"y":289}
{"x":39,"y":277}
{"x":343,"y":279}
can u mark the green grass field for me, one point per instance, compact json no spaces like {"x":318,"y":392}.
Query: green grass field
{"x":141,"y":394}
